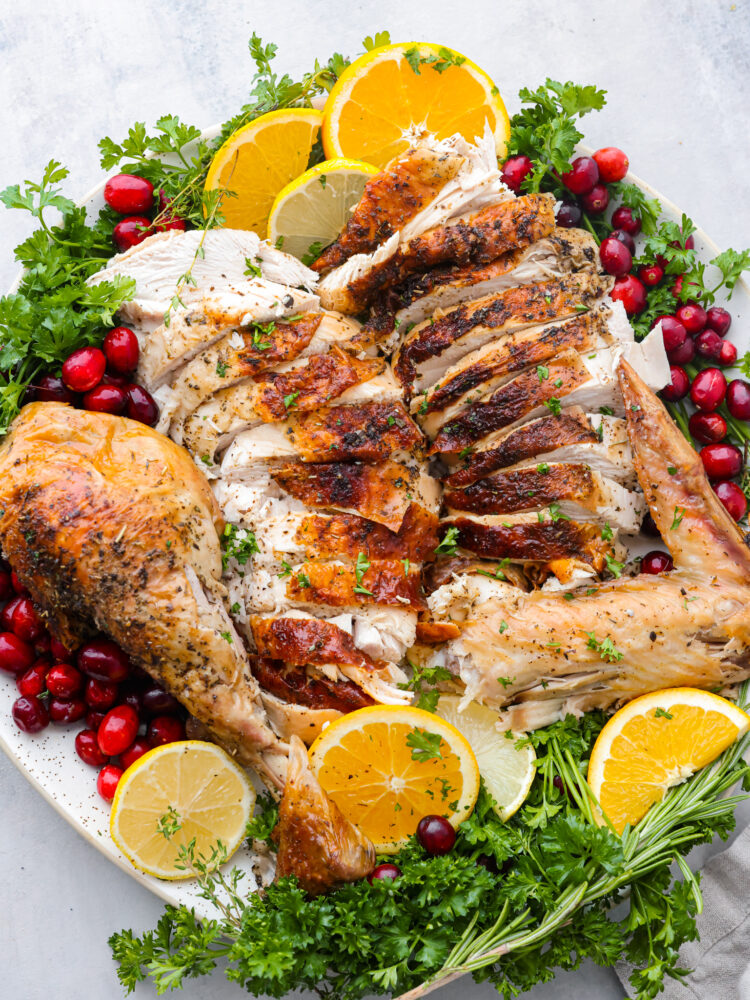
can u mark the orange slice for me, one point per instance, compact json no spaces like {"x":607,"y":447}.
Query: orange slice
{"x":655,"y":742}
{"x":387,"y":766}
{"x":395,"y":93}
{"x":260,"y":159}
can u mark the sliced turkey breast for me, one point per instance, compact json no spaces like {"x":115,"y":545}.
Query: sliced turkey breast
{"x":424,"y":295}
{"x":474,"y":239}
{"x":433,"y":346}
{"x":600,"y":442}
{"x":421,"y":188}
{"x":302,"y":385}
{"x":572,"y":491}
{"x":368,"y":432}
{"x":225,"y":259}
{"x":543,"y":536}
{"x":307,"y":535}
{"x":487,"y":368}
{"x":208,"y":319}
{"x":572,"y":379}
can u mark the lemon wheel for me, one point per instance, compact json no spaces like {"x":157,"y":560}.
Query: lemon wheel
{"x":394,"y":94}
{"x":310,"y":212}
{"x":655,"y":742}
{"x":508,"y":771}
{"x":387,"y":766}
{"x":258,"y":160}
{"x":174,"y":794}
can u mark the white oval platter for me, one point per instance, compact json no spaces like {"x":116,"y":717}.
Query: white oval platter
{"x":49,"y":761}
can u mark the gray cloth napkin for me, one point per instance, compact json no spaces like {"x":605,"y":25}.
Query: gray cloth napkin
{"x":721,"y":958}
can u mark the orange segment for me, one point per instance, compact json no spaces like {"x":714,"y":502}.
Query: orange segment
{"x":364,"y":762}
{"x":655,"y":742}
{"x":260,"y":159}
{"x":395,"y":93}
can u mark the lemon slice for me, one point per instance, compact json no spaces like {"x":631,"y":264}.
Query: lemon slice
{"x":655,"y":742}
{"x":387,"y":766}
{"x":508,"y":771}
{"x":175,"y":793}
{"x":258,"y":160}
{"x":395,"y":93}
{"x":310,"y":212}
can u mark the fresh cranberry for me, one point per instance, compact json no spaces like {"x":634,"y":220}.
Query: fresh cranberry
{"x":623,"y":237}
{"x":683,"y":244}
{"x":721,"y":461}
{"x":118,"y":730}
{"x":103,"y":660}
{"x":596,"y":200}
{"x":623,"y":218}
{"x":105,"y":399}
{"x":64,"y":680}
{"x":515,"y":170}
{"x":6,"y":615}
{"x":651,"y":275}
{"x":683,"y":354}
{"x":94,"y":719}
{"x":727,"y":354}
{"x":672,"y":331}
{"x":43,"y":644}
{"x":719,"y":320}
{"x":738,"y":398}
{"x":677,"y":286}
{"x":656,"y":561}
{"x":66,"y":710}
{"x":692,"y":317}
{"x":32,"y":683}
{"x":6,"y":586}
{"x":648,"y":527}
{"x":733,"y":498}
{"x":136,"y":749}
{"x":131,"y":231}
{"x":436,"y":834}
{"x":30,"y":714}
{"x":133,"y":700}
{"x":560,"y":784}
{"x":678,"y":386}
{"x":17,"y":585}
{"x":615,"y":257}
{"x":612,"y":163}
{"x":26,"y":622}
{"x":107,"y":781}
{"x":129,"y":194}
{"x":384,"y":871}
{"x":708,"y":428}
{"x":100,"y":694}
{"x":582,"y":176}
{"x":16,"y":656}
{"x":157,"y":701}
{"x":708,"y":389}
{"x":59,"y":653}
{"x":167,"y":222}
{"x":121,"y":381}
{"x":708,"y":344}
{"x":141,"y":405}
{"x":121,"y":350}
{"x":631,"y":293}
{"x":569,"y":215}
{"x":84,"y":369}
{"x":165,"y":729}
{"x":51,"y":389}
{"x":87,"y":748}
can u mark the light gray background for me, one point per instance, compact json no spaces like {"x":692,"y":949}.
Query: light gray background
{"x":70,"y":72}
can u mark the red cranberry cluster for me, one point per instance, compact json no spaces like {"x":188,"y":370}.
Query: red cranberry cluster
{"x":101,"y":380}
{"x":124,"y":712}
{"x":133,"y":197}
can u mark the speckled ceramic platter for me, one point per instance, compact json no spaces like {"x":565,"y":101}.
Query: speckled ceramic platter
{"x":49,"y":761}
